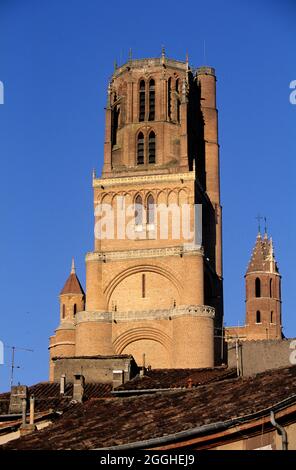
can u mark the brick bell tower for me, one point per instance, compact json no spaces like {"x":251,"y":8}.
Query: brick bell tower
{"x":263,"y":293}
{"x":146,"y":293}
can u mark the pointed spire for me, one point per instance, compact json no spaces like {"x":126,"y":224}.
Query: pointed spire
{"x":265,"y":228}
{"x":187,"y":61}
{"x":72,"y":284}
{"x":73,"y":271}
{"x":262,"y":258}
{"x":130,"y":54}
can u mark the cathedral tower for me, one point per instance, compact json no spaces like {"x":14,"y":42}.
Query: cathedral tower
{"x":154,"y":278}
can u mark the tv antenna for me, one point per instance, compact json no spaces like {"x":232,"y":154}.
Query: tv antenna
{"x":13,"y":366}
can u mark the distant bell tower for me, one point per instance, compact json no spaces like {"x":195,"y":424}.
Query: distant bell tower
{"x":263,"y":292}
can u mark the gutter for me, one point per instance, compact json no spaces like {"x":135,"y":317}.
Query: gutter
{"x":207,"y":428}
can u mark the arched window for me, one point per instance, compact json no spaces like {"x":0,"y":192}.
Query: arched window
{"x":270,"y":288}
{"x":140,"y":149}
{"x":151,"y":100}
{"x":138,"y":210}
{"x":142,"y":100}
{"x":169,"y":98}
{"x":75,"y":309}
{"x":177,"y":99}
{"x":63,"y":311}
{"x":257,"y":287}
{"x":271,"y":317}
{"x":151,"y":147}
{"x":150,"y":209}
{"x":258,"y":317}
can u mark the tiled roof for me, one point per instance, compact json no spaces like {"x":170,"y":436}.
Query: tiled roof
{"x":117,"y":421}
{"x":72,"y":286}
{"x":47,"y":395}
{"x":262,"y":258}
{"x":177,"y":378}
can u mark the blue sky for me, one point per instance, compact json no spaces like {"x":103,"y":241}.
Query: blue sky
{"x":55,"y":60}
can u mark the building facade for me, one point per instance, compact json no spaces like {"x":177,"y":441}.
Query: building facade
{"x":153,"y":288}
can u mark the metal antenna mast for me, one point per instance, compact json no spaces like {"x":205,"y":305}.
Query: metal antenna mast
{"x":13,"y":349}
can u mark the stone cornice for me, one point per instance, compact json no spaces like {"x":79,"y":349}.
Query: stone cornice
{"x":165,"y":314}
{"x":136,"y":315}
{"x":143,"y":179}
{"x":144,"y":253}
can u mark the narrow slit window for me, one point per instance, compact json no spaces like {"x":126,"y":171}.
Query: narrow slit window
{"x":177,"y":100}
{"x":115,"y":121}
{"x":143,"y":286}
{"x":140,"y":149}
{"x":138,"y":211}
{"x":63,"y":311}
{"x":258,"y":316}
{"x":271,"y":317}
{"x":150,"y":209}
{"x":75,"y":309}
{"x":142,"y":97}
{"x":151,"y":100}
{"x":152,"y":148}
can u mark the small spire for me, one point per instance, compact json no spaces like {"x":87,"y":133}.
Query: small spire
{"x":265,"y":228}
{"x":130,"y":54}
{"x":115,"y":65}
{"x":187,"y":60}
{"x":271,"y":256}
{"x":162,"y":55}
{"x":73,"y":270}
{"x":94,"y":175}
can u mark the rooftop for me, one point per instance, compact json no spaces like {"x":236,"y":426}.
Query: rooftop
{"x":162,"y":415}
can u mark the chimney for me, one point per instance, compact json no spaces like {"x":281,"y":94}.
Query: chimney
{"x":78,"y":388}
{"x":62,"y":384}
{"x":24,"y":412}
{"x":32,"y":410}
{"x":17,"y":394}
{"x":142,"y":370}
{"x":189,"y":382}
{"x":118,"y":378}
